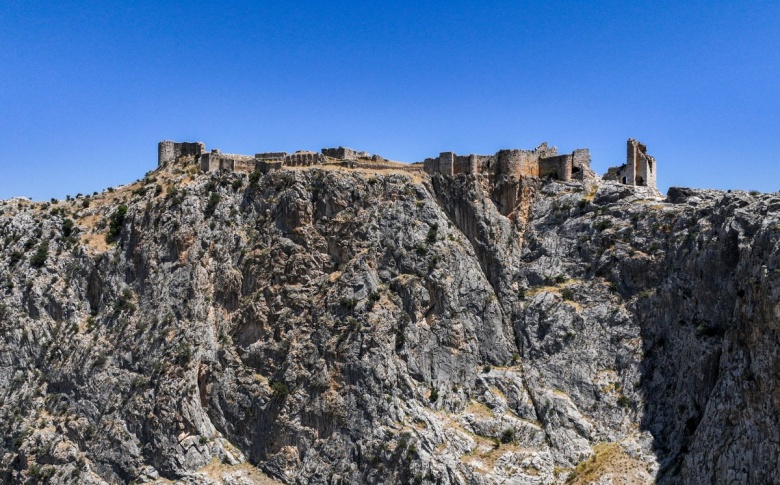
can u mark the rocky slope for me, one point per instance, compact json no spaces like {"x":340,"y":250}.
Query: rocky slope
{"x":346,"y":326}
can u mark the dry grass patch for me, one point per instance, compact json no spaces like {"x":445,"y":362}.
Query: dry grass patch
{"x":96,"y":242}
{"x":241,"y":473}
{"x":480,"y":410}
{"x":484,"y":458}
{"x":612,"y":462}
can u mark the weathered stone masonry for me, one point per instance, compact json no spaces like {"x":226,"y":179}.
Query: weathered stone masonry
{"x":540,"y":162}
{"x":639,"y":169}
{"x":168,"y":150}
{"x":544,"y":161}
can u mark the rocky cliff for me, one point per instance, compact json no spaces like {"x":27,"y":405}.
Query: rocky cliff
{"x":324,"y":325}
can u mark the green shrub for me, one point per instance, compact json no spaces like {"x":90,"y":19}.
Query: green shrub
{"x":125,"y":302}
{"x":184,"y":354}
{"x":211,"y":206}
{"x":434,"y":394}
{"x":508,"y":435}
{"x":116,"y":222}
{"x":602,"y":224}
{"x":175,"y":196}
{"x":279,"y":389}
{"x":348,"y":303}
{"x":431,"y":237}
{"x":67,"y":227}
{"x":39,"y":258}
{"x":567,"y":294}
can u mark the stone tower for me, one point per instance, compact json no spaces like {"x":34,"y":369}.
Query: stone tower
{"x":640,"y":167}
{"x":169,"y":150}
{"x":165,"y":152}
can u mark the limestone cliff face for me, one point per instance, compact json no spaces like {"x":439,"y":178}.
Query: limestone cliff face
{"x":341,"y":326}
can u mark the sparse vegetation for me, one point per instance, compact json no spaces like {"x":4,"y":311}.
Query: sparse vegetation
{"x":431,"y":236}
{"x":116,"y":222}
{"x":125,"y":302}
{"x":211,"y":205}
{"x":279,"y":389}
{"x":508,"y":436}
{"x":41,"y":254}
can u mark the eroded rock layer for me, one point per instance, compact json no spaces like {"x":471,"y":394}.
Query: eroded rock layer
{"x":346,"y":326}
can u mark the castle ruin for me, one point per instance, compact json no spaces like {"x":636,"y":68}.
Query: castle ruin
{"x":169,"y":150}
{"x":639,"y":169}
{"x":544,"y":161}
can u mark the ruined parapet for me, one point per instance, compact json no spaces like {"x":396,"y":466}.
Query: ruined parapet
{"x":571,"y":166}
{"x":344,"y":153}
{"x":581,"y":165}
{"x":558,"y":167}
{"x":267,"y":165}
{"x":270,"y":156}
{"x":168,"y":151}
{"x":216,"y":160}
{"x":304,"y":159}
{"x":640,"y":168}
{"x":443,"y":164}
{"x":543,"y":161}
{"x":524,"y":163}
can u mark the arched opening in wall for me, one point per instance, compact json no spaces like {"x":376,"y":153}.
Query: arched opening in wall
{"x":575,"y":170}
{"x":640,"y":181}
{"x":625,"y":180}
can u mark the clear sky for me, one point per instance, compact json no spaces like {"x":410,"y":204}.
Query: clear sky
{"x":88,"y":88}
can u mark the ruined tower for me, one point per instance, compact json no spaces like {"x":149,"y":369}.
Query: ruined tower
{"x":169,"y":150}
{"x":639,"y":169}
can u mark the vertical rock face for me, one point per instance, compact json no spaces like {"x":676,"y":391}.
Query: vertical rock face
{"x":329,"y":326}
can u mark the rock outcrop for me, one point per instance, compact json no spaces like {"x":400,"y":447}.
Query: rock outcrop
{"x":317,"y":325}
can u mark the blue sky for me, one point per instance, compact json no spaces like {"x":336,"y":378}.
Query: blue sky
{"x":89,"y":88}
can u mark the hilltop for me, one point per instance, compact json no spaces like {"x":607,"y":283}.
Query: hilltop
{"x":443,"y":323}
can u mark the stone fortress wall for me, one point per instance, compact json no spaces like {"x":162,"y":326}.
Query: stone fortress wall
{"x":169,"y":150}
{"x":543,"y":161}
